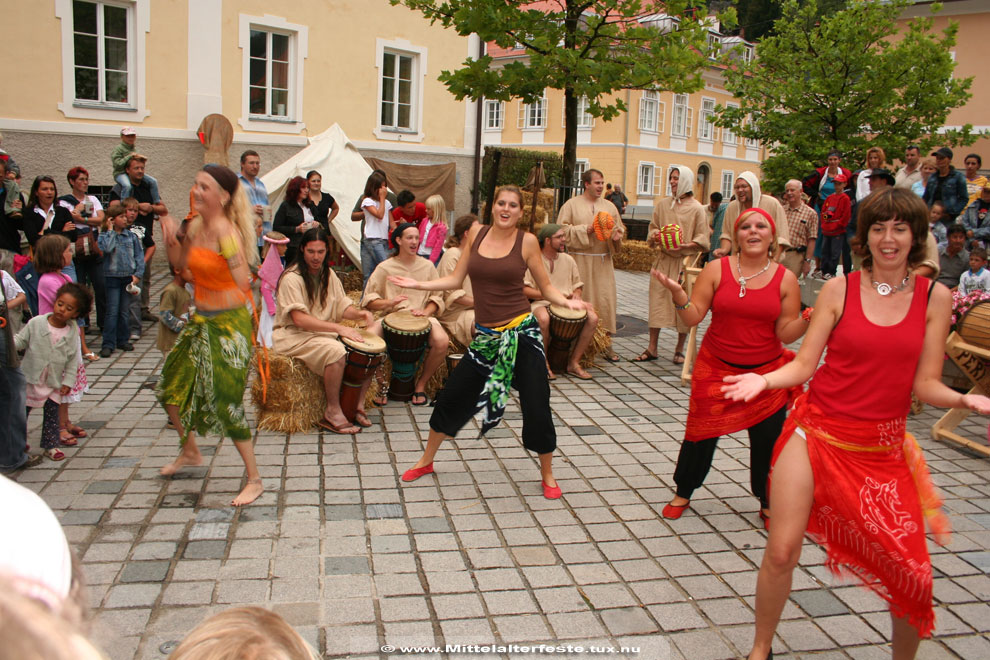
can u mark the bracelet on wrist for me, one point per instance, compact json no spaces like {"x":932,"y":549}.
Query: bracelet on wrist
{"x":681,"y":308}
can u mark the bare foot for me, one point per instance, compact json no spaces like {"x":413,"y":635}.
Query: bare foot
{"x":183,"y":460}
{"x":252,"y":490}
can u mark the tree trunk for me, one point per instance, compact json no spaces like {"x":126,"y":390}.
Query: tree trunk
{"x":570,"y":137}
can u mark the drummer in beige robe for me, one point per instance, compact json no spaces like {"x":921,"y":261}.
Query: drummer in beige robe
{"x":565,"y":277}
{"x":593,"y":256}
{"x":311,"y":305}
{"x":748,"y":194}
{"x":458,"y":316}
{"x":381,"y":295}
{"x":683,"y":210}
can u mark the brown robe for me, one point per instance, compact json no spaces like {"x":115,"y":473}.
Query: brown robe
{"x":456,"y":319}
{"x":564,"y":276}
{"x":316,"y":349}
{"x":689,"y":214}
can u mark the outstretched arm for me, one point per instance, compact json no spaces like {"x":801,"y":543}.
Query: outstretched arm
{"x":452,"y":281}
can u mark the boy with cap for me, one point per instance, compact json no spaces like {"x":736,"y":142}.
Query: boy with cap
{"x":121,"y":155}
{"x":836,"y":212}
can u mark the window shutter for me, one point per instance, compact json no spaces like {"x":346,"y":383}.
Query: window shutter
{"x":661,"y":115}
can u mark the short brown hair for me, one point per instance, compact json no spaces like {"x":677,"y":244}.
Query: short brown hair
{"x":243,"y":632}
{"x":586,"y":175}
{"x":130,"y":203}
{"x":48,"y":253}
{"x":894,"y":204}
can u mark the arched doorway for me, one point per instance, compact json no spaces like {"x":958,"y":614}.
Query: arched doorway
{"x":702,"y":183}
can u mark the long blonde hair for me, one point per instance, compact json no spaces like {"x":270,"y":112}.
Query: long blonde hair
{"x":436,"y":204}
{"x":241,"y":214}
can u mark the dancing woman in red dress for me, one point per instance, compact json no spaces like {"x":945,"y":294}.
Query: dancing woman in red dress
{"x":844,"y":470}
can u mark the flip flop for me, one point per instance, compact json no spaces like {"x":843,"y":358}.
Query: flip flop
{"x":380,"y":401}
{"x":645,"y":356}
{"x":678,"y":358}
{"x":586,"y":375}
{"x":361,"y":419}
{"x":340,"y":430}
{"x":77,"y":431}
{"x":66,"y":439}
{"x":419,"y":394}
{"x":91,"y":356}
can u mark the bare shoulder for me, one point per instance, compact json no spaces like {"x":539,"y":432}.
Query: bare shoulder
{"x":940,"y":296}
{"x":790,"y":279}
{"x":833,"y":292}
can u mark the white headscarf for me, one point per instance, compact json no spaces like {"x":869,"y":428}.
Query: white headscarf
{"x":754,"y":183}
{"x":685,"y":183}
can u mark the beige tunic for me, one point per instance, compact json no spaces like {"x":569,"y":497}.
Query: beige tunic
{"x":689,"y":214}
{"x":379,"y":288}
{"x":456,"y":319}
{"x":593,"y":257}
{"x":564,"y":276}
{"x":316,"y":349}
{"x":768,"y":204}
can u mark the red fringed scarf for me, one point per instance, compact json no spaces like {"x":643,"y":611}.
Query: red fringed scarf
{"x":873,"y":495}
{"x":710,"y":414}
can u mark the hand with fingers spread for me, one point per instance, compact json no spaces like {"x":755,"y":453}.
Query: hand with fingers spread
{"x":744,"y":387}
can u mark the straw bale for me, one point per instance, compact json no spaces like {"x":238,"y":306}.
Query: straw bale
{"x":635,"y":256}
{"x":600,"y":344}
{"x":350,"y":279}
{"x":295,"y":399}
{"x":544,"y":208}
{"x":433,"y":386}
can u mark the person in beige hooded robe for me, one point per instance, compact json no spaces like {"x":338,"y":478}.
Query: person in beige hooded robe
{"x":457,"y":317}
{"x":683,"y":210}
{"x":748,"y":194}
{"x":594,"y":257}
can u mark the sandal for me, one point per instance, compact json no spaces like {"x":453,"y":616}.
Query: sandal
{"x":381,"y":400}
{"x":55,"y":454}
{"x":612,"y":358}
{"x":645,"y":356}
{"x":66,"y":439}
{"x":91,"y":356}
{"x":678,"y":358}
{"x":361,"y":419}
{"x":343,"y":429}
{"x":76,"y":430}
{"x":421,"y":395}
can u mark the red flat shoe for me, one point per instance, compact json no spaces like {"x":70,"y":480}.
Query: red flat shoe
{"x":413,"y":474}
{"x":674,"y":511}
{"x":551,"y":492}
{"x":766,"y":520}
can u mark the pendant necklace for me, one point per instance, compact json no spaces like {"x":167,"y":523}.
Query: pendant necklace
{"x":885,"y":289}
{"x":743,"y":280}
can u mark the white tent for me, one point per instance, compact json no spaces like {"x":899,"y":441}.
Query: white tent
{"x":344,"y":173}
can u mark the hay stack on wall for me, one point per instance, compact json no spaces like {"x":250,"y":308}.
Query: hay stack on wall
{"x":544,"y":208}
{"x":634,"y":255}
{"x":295,"y":400}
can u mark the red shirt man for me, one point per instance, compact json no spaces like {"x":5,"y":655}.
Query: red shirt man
{"x":407,"y":209}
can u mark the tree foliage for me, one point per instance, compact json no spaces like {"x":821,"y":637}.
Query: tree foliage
{"x":588,"y":48}
{"x":847,"y":81}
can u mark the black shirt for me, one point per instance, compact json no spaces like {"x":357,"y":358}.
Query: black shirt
{"x":9,"y":238}
{"x":142,"y":193}
{"x":321,"y":211}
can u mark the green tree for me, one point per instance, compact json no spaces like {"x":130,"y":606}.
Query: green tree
{"x":587,"y":48}
{"x":847,"y":81}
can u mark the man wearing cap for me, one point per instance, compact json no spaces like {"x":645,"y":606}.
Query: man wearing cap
{"x":947,"y":185}
{"x":564,"y":275}
{"x":910,"y":173}
{"x":748,"y":195}
{"x":976,"y":217}
{"x":121,"y":155}
{"x":802,"y":225}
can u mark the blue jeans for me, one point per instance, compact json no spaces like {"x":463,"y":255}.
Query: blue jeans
{"x":13,"y":401}
{"x":125,"y":185}
{"x":115,"y":329}
{"x":373,"y":252}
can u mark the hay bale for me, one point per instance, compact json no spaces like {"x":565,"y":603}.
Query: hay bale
{"x":544,"y":208}
{"x":350,"y":279}
{"x":634,"y":255}
{"x":295,"y":399}
{"x":600,"y":344}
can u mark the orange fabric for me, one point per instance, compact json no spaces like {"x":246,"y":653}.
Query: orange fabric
{"x":710,"y":414}
{"x":873,"y":495}
{"x":213,"y":283}
{"x":603,"y":224}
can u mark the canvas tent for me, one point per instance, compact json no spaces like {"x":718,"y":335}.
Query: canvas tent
{"x":344,"y":172}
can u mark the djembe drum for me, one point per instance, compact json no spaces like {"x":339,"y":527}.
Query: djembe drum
{"x":565,"y":326}
{"x":974,"y":326}
{"x":405,"y":338}
{"x":363,"y":357}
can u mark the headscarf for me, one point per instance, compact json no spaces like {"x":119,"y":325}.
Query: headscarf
{"x":685,"y":183}
{"x":393,"y":239}
{"x":548,"y":230}
{"x":224,"y":176}
{"x":754,"y":183}
{"x":272,"y":267}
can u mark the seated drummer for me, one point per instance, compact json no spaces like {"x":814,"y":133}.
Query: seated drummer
{"x":458,"y":317}
{"x":311,"y":305}
{"x":564,"y":275}
{"x":382,"y":296}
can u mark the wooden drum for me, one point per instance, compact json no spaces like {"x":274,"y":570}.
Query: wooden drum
{"x":974,"y":326}
{"x":405,"y":337}
{"x":565,"y":326}
{"x":362,"y":359}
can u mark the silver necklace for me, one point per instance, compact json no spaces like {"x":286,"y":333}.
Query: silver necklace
{"x":743,"y":280}
{"x":885,"y":289}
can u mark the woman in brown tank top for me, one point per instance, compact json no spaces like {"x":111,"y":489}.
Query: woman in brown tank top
{"x":508,"y":348}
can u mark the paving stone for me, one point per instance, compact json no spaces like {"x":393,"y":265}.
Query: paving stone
{"x":142,"y":571}
{"x":132,"y":595}
{"x":205,"y":550}
{"x":819,"y":603}
{"x":628,"y":621}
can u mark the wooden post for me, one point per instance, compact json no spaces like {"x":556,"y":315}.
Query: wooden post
{"x":536,"y":194}
{"x":691,"y":272}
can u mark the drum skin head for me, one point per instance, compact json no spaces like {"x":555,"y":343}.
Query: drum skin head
{"x":371,"y":343}
{"x":406,"y":322}
{"x":568,"y":313}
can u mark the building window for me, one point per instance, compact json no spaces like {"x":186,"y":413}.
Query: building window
{"x":100,"y":34}
{"x":584,"y":118}
{"x":752,"y":143}
{"x":728,"y":137}
{"x":714,"y":45}
{"x":580,"y":167}
{"x":268,"y":91}
{"x":728,"y":178}
{"x":494,"y":115}
{"x":651,"y":113}
{"x":706,"y":129}
{"x":683,"y":116}
{"x":397,"y":91}
{"x":644,"y":179}
{"x":533,"y":115}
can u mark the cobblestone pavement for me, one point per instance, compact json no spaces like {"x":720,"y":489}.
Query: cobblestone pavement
{"x":474,"y":555}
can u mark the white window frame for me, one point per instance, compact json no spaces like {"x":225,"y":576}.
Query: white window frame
{"x":683,"y":116}
{"x":496,"y":108}
{"x":298,"y":52}
{"x":730,"y":177}
{"x":138,"y":25}
{"x":707,"y":131}
{"x":659,"y":112}
{"x":527,"y":112}
{"x":584,"y":119}
{"x":728,"y":136}
{"x":419,"y":72}
{"x":645,"y":171}
{"x":581,"y":165}
{"x":714,"y":43}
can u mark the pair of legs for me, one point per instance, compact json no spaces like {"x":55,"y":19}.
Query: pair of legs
{"x":116,"y":331}
{"x":437,"y":342}
{"x":651,"y":349}
{"x":695,"y":459}
{"x":50,"y":430}
{"x":190,"y":456}
{"x":832,"y":253}
{"x":542,"y":315}
{"x":333,"y":376}
{"x":13,"y":400}
{"x":792,"y":492}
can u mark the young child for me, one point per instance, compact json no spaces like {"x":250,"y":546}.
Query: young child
{"x":173,"y":311}
{"x":123,"y":265}
{"x":134,"y":302}
{"x":936,"y":225}
{"x":52,"y":253}
{"x":121,"y":154}
{"x":51,"y":360}
{"x":836,"y":212}
{"x":10,"y":206}
{"x":276,"y":244}
{"x":977,"y":278}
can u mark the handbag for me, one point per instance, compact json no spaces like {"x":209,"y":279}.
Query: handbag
{"x":87,"y":246}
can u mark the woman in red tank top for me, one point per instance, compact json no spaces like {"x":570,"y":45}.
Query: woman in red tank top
{"x":845,"y":471}
{"x":755,"y":305}
{"x":507,"y":350}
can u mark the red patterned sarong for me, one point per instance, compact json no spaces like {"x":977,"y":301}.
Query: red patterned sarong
{"x":873,"y":495}
{"x":710,"y":414}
